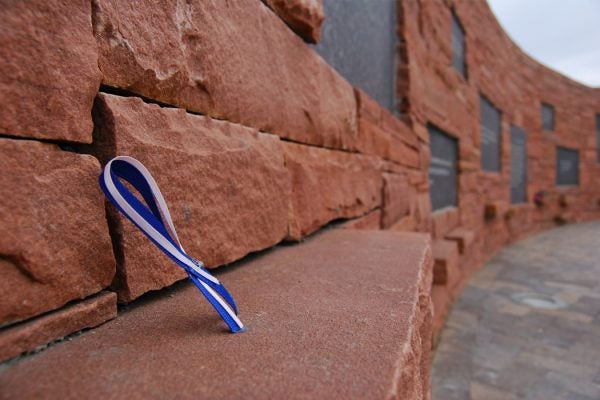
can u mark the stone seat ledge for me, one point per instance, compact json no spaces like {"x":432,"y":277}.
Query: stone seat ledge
{"x":464,"y":237}
{"x":345,"y":314}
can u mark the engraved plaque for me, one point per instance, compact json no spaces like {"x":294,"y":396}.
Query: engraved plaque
{"x":518,"y":165}
{"x":442,"y":169}
{"x":358,"y":39}
{"x":547,"y":117}
{"x":490,"y":135}
{"x":458,"y":47}
{"x":567,"y":166}
{"x":598,"y":136}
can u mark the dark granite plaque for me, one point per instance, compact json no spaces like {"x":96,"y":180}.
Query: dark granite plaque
{"x":490,"y":135}
{"x":358,"y":39}
{"x":598,"y":136}
{"x":518,"y":165}
{"x":442,"y":169}
{"x":567,"y":166}
{"x":547,"y":117}
{"x":458,"y":46}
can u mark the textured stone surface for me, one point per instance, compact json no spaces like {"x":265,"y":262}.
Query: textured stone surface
{"x":235,"y":61}
{"x":48,"y":69}
{"x":39,"y":331}
{"x":495,"y":209}
{"x":303,"y":16}
{"x":54,"y":241}
{"x":395,"y":199}
{"x":327,"y":185}
{"x":346,"y":314}
{"x":446,"y":256}
{"x":371,"y":221}
{"x":226,"y":187}
{"x":380,"y":133}
{"x":441,"y":299}
{"x":444,"y":221}
{"x":368,"y":108}
{"x":463,"y":237}
{"x":399,"y":129}
{"x":405,"y":224}
{"x":372,"y":139}
{"x":423,"y":211}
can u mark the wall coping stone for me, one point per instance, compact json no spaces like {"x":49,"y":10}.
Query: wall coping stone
{"x":345,"y":314}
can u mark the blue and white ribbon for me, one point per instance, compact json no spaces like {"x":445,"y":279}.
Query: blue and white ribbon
{"x":151,"y":220}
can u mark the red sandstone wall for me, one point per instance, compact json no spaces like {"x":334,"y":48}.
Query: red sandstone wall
{"x":283,"y":146}
{"x":254,"y":139}
{"x":515,"y":84}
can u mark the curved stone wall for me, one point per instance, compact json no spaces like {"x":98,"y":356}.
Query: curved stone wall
{"x":517,"y":85}
{"x":284,"y":145}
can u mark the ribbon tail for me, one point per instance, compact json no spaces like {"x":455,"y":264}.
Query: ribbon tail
{"x":225,"y":311}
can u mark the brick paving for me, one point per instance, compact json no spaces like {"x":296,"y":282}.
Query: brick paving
{"x":495,"y":347}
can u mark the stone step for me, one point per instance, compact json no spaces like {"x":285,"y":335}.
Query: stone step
{"x":344,"y":314}
{"x":463,"y":237}
{"x":446,"y":267}
{"x":441,"y":299}
{"x":444,"y":221}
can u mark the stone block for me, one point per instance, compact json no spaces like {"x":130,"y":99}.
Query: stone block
{"x":467,"y":166}
{"x":405,"y":224}
{"x":421,"y":132}
{"x":395,"y":199}
{"x":235,"y":61}
{"x":370,"y":221}
{"x":424,"y":156}
{"x":226,"y":187}
{"x":566,"y":200}
{"x":368,"y":109}
{"x":37,"y":332}
{"x":423,"y":211}
{"x":463,"y":237}
{"x":381,"y":133}
{"x":303,"y":16}
{"x":372,"y":139}
{"x":495,"y":209}
{"x":417,"y":178}
{"x":446,"y":266}
{"x":48,"y":70}
{"x":54,"y":241}
{"x":328,"y":185}
{"x":444,"y":221}
{"x":398,"y":128}
{"x":346,"y":315}
{"x":442,"y":301}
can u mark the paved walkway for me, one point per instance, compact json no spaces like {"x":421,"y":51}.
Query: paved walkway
{"x":504,"y":340}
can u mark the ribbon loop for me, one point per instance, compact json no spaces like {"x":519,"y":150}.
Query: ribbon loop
{"x":154,"y":220}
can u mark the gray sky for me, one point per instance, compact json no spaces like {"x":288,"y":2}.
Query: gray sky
{"x":562,"y":34}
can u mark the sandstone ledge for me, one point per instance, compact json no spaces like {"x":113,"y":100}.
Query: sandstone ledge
{"x":345,"y":314}
{"x":39,"y":331}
